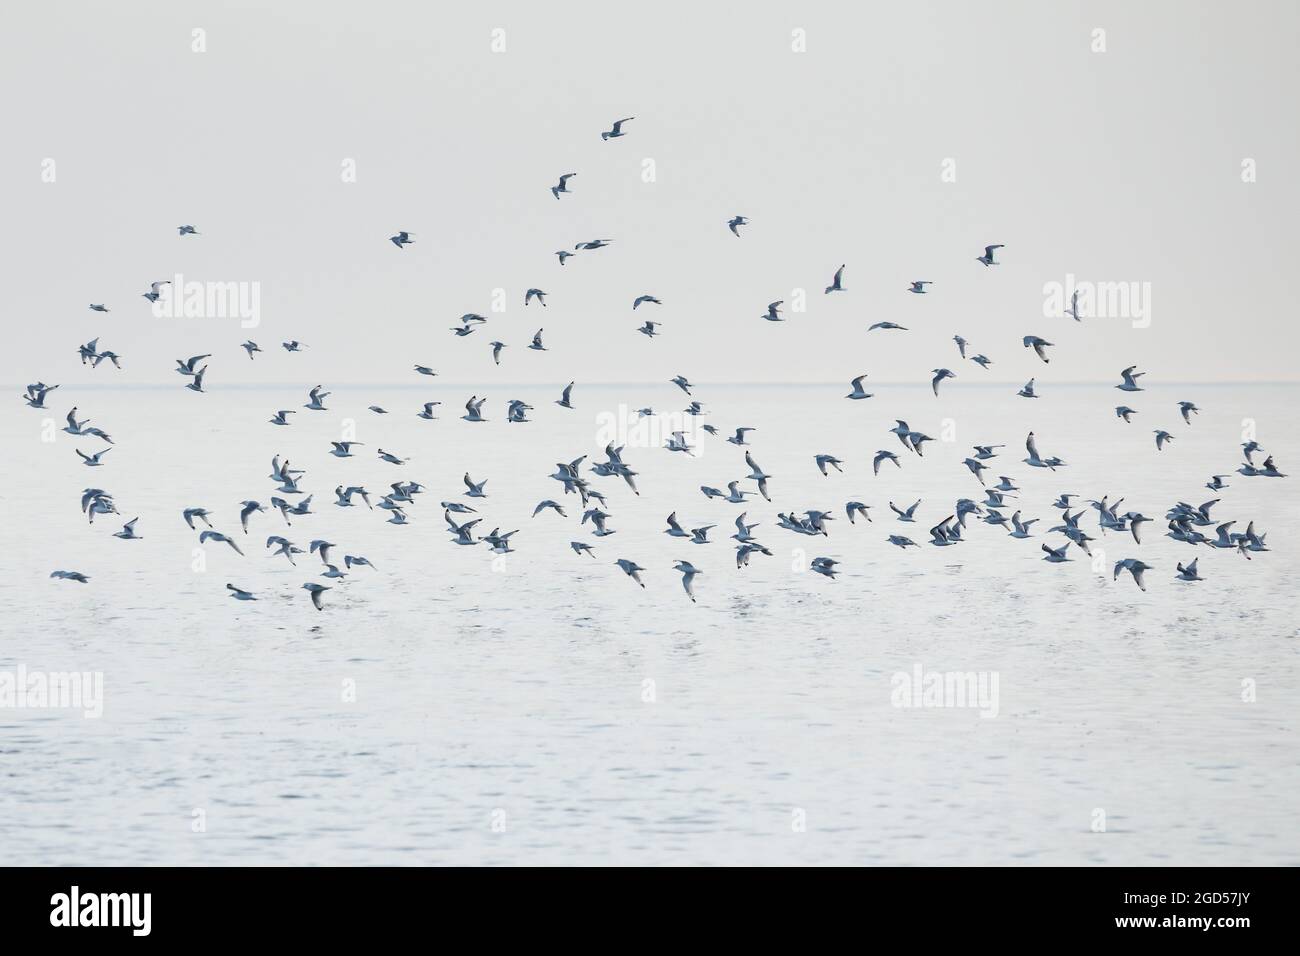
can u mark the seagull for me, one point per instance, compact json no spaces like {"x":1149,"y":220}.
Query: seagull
{"x":1020,"y":529}
{"x":644,"y":298}
{"x":743,"y":529}
{"x":92,"y":461}
{"x":739,"y":437}
{"x":904,"y":515}
{"x":631,"y":569}
{"x":250,"y":347}
{"x":975,"y":468}
{"x":317,"y":399}
{"x":355,"y":560}
{"x":401,"y":239}
{"x":648,"y":329}
{"x":496,"y":352}
{"x":474,"y":409}
{"x":1038,"y":345}
{"x":1056,"y":555}
{"x":939,"y":375}
{"x":316,"y":591}
{"x":475,"y":488}
{"x":1216,"y":482}
{"x":824,"y":460}
{"x":1027,"y":390}
{"x":680,"y":382}
{"x":1034,"y":460}
{"x":111,"y":356}
{"x":343,"y":449}
{"x":1130,"y":380}
{"x":1187,"y":408}
{"x":735,"y":223}
{"x":35,"y":397}
{"x":537,"y":345}
{"x":1189,"y":573}
{"x":735,"y":497}
{"x":824,"y":566}
{"x":553,"y":505}
{"x":919,"y":286}
{"x":836,"y":284}
{"x":1134,"y":567}
{"x":75,"y":427}
{"x":987,"y":258}
{"x":187,"y":367}
{"x":1162,"y":436}
{"x":756,"y":474}
{"x":155,"y":290}
{"x":563,"y":187}
{"x":1123,"y":411}
{"x":887,"y":326}
{"x":883,"y":456}
{"x":563,"y":254}
{"x":1073,"y":310}
{"x":205,"y":536}
{"x":391,"y":458}
{"x":593,"y":244}
{"x":902,"y":542}
{"x":189,"y":514}
{"x":617,"y":131}
{"x":961,"y":344}
{"x":856,"y":508}
{"x":128,"y":531}
{"x":70,"y":576}
{"x":187,"y":231}
{"x":283,"y":546}
{"x":99,"y":307}
{"x":537,"y":294}
{"x":688,"y":577}
{"x":248,"y":508}
{"x":581,"y":547}
{"x":858,"y":391}
{"x":239,"y":594}
{"x":344,"y":495}
{"x":773,"y":313}
{"x":701,"y":535}
{"x":293,"y":346}
{"x":425,"y":370}
{"x":983,"y":361}
{"x":563,"y":400}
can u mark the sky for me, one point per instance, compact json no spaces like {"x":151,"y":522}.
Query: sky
{"x":898,"y":139}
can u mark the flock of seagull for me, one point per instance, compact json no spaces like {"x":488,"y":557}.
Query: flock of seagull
{"x":292,"y":501}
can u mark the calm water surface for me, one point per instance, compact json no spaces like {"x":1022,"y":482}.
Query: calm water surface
{"x":546,"y":710}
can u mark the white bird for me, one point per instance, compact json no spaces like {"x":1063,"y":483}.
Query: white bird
{"x":1039,"y":345}
{"x":688,"y":577}
{"x":617,"y":129}
{"x":631,"y":569}
{"x":836,"y":284}
{"x":1130,"y":380}
{"x":563,"y":187}
{"x":858,"y":391}
{"x":316,"y":591}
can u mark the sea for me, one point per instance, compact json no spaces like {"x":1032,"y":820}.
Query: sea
{"x":962,"y":705}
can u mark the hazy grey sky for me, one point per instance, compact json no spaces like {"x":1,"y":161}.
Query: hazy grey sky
{"x":1123,"y":165}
